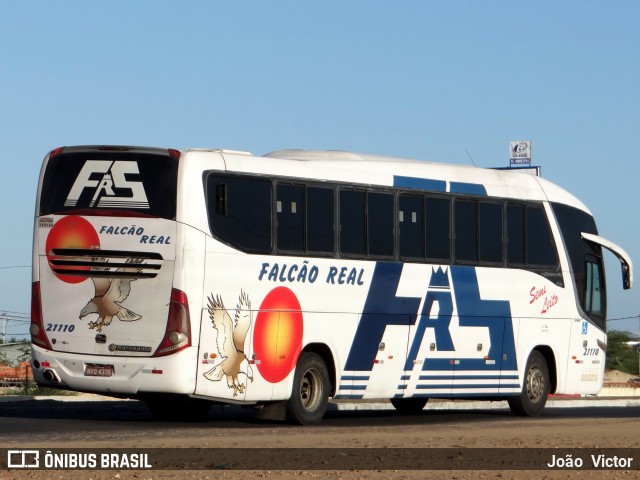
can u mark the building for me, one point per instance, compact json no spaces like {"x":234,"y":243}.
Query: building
{"x":14,"y":352}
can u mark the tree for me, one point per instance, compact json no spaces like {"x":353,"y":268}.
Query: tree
{"x":25,"y":351}
{"x":620,"y":355}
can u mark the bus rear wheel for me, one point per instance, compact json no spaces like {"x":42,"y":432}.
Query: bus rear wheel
{"x":310,"y":394}
{"x":535,"y":390}
{"x":409,"y":406}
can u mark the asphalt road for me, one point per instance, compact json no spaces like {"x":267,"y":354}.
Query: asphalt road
{"x":129,"y":424}
{"x":476,"y":439}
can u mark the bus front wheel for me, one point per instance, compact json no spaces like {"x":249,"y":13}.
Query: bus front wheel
{"x":310,"y":394}
{"x":536,"y":388}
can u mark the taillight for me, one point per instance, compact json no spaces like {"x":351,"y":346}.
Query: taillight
{"x":55,"y":152}
{"x":178,"y":333}
{"x":175,"y":154}
{"x":38,"y":335}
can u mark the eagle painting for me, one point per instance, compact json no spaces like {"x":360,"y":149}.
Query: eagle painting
{"x":231,"y":335}
{"x":110,"y":292}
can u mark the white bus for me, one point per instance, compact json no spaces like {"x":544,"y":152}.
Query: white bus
{"x":185,"y":278}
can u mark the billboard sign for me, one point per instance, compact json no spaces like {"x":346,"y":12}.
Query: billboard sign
{"x":520,"y":152}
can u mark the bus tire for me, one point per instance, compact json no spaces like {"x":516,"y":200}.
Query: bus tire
{"x":409,"y":406}
{"x":310,"y":392}
{"x":535,"y":390}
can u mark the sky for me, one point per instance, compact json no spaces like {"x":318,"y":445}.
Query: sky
{"x":433,"y":80}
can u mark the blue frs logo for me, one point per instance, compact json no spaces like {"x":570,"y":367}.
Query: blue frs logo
{"x":384,"y":308}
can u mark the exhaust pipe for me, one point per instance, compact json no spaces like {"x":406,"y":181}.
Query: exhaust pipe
{"x":51,"y":376}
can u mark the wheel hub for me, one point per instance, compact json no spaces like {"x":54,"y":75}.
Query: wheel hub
{"x":535,"y":383}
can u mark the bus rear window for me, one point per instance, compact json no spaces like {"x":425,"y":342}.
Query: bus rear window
{"x":143,"y":182}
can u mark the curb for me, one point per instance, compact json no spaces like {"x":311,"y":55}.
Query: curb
{"x":61,"y":398}
{"x":346,"y":405}
{"x":495,"y":405}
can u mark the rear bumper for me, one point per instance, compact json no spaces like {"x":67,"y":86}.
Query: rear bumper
{"x":171,"y":374}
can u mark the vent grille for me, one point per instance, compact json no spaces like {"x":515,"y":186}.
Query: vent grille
{"x":105,"y":263}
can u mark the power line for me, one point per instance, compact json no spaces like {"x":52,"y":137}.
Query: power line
{"x":634,"y":317}
{"x":4,"y":310}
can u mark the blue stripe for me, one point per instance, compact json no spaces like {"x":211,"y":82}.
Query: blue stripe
{"x":354,"y":377}
{"x":402,"y":387}
{"x":469,"y":188}
{"x":435,"y":386}
{"x":420,"y":183}
{"x":349,"y":397}
{"x":464,"y":385}
{"x":352,"y":387}
{"x":461,"y":395}
{"x":468,"y":377}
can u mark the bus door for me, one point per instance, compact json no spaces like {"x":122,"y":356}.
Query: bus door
{"x":587,"y":345}
{"x":586,"y":359}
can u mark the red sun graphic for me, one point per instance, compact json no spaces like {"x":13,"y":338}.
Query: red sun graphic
{"x":277,"y":337}
{"x":71,"y":232}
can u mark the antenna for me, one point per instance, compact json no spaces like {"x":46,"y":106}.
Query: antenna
{"x":469,"y":155}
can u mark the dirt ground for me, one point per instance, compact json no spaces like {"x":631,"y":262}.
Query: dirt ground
{"x":558,"y":431}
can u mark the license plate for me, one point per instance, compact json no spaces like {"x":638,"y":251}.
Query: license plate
{"x":98,"y":370}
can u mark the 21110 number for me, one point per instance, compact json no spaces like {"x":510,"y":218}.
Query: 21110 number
{"x":60,"y":327}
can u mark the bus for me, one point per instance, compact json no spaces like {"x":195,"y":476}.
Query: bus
{"x":189,"y":278}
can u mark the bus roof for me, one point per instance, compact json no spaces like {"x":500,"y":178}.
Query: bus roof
{"x":341,"y":166}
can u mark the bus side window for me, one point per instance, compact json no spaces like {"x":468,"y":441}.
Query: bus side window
{"x":411,"y":226}
{"x":515,"y":234}
{"x":380,"y":231}
{"x":540,"y":247}
{"x":353,"y":225}
{"x":240,"y":211}
{"x":320,"y":219}
{"x":466,"y":230}
{"x":490,"y":232}
{"x":438,"y":228}
{"x":593,"y":304}
{"x":290,"y":210}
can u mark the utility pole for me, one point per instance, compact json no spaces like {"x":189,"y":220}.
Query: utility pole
{"x":4,"y":326}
